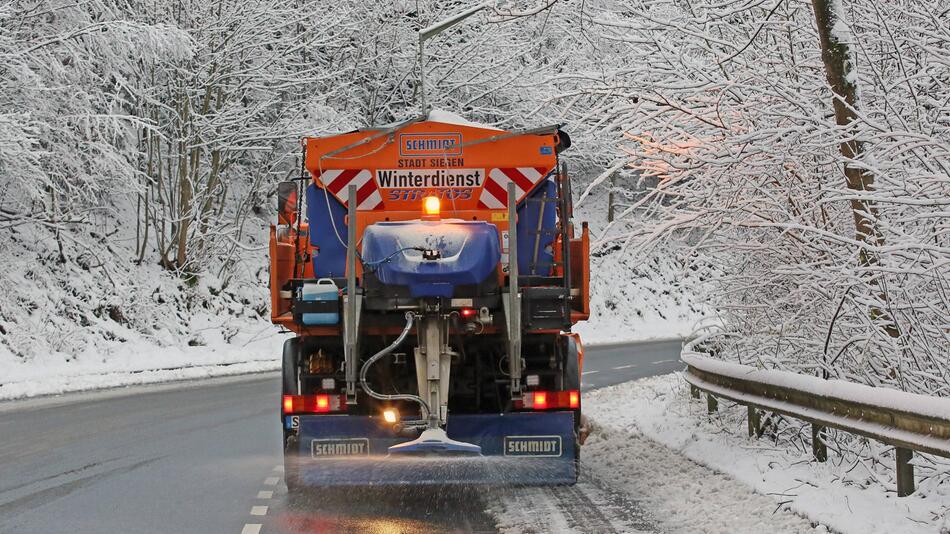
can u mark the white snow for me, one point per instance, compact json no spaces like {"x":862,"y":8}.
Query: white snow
{"x":873,"y":396}
{"x":635,"y":297}
{"x":840,"y":30}
{"x":255,"y":348}
{"x":743,"y":479}
{"x":447,"y":117}
{"x":636,"y":484}
{"x":648,"y":299}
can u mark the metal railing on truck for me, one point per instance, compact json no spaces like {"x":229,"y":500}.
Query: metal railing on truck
{"x":907,"y":421}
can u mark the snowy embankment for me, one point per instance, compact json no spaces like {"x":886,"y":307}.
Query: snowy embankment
{"x":635,"y":297}
{"x":639,"y":299}
{"x":697,"y":475}
{"x":256,"y":348}
{"x":72,"y":326}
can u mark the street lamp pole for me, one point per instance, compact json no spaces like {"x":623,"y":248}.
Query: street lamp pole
{"x":435,"y":29}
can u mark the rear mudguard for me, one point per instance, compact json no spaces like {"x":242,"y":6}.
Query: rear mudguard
{"x":517,"y":448}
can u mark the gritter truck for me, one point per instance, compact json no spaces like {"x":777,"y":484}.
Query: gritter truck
{"x":430,"y":273}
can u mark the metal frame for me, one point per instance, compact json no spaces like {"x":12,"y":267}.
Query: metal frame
{"x":564,"y":187}
{"x":513,"y":302}
{"x":352,"y":302}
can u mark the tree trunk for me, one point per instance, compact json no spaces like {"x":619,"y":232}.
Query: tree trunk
{"x":841,"y":72}
{"x":184,"y":194}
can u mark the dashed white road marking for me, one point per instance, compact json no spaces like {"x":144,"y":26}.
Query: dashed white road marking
{"x":258,"y":510}
{"x":589,"y":372}
{"x":251,"y":528}
{"x":662,"y":361}
{"x":624,"y":367}
{"x":279,"y":469}
{"x":265,"y":494}
{"x":271,"y":481}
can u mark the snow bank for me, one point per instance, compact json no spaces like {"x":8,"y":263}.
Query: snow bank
{"x":88,"y":321}
{"x":256,"y":347}
{"x":635,"y":299}
{"x":843,"y":496}
{"x":638,"y":298}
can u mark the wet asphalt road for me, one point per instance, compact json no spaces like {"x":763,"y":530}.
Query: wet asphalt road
{"x":606,"y":365}
{"x":205,"y":458}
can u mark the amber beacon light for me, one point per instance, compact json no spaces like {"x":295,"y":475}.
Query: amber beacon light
{"x":431,"y":207}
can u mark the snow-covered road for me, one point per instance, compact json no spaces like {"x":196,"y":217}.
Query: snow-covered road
{"x":632,"y":483}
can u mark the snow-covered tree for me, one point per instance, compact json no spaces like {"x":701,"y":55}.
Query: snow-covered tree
{"x":817,"y":188}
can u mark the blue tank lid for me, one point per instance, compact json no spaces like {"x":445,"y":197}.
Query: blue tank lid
{"x":468,"y":252}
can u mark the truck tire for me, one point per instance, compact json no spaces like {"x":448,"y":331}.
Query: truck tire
{"x":290,"y":367}
{"x":289,"y":373}
{"x":572,"y":380}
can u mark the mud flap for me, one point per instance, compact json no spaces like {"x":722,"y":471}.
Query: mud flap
{"x":516,"y":448}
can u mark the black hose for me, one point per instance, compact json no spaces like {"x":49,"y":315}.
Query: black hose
{"x":385,"y":352}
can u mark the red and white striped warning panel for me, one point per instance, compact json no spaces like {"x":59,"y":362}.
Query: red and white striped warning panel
{"x":473,"y":193}
{"x":495,"y":192}
{"x":367,"y":192}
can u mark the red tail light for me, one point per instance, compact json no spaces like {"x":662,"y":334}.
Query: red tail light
{"x":540,"y":400}
{"x":548,"y":400}
{"x":313,"y":404}
{"x":468,"y":313}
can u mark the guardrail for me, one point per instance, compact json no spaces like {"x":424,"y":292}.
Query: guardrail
{"x":907,"y":421}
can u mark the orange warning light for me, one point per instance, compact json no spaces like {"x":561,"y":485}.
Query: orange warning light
{"x":431,"y":207}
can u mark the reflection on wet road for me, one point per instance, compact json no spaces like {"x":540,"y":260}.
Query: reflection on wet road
{"x":206,"y":457}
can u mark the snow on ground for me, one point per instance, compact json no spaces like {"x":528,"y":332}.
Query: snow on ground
{"x":88,"y":321}
{"x":219,"y":346}
{"x":631,"y":483}
{"x":635,"y":297}
{"x":643,"y":449}
{"x":589,"y":506}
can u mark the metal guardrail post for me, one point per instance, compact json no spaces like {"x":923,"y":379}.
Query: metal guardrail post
{"x":694,"y":392}
{"x":905,"y":472}
{"x":754,"y":422}
{"x":610,"y":198}
{"x":818,"y":447}
{"x":712,"y":405}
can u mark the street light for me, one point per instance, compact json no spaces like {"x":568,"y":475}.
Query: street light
{"x":435,"y":29}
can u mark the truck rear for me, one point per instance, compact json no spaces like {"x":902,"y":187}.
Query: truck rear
{"x":431,"y":274}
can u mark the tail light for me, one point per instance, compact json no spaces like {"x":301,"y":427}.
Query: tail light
{"x":539,"y":400}
{"x":313,"y":404}
{"x":550,"y":400}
